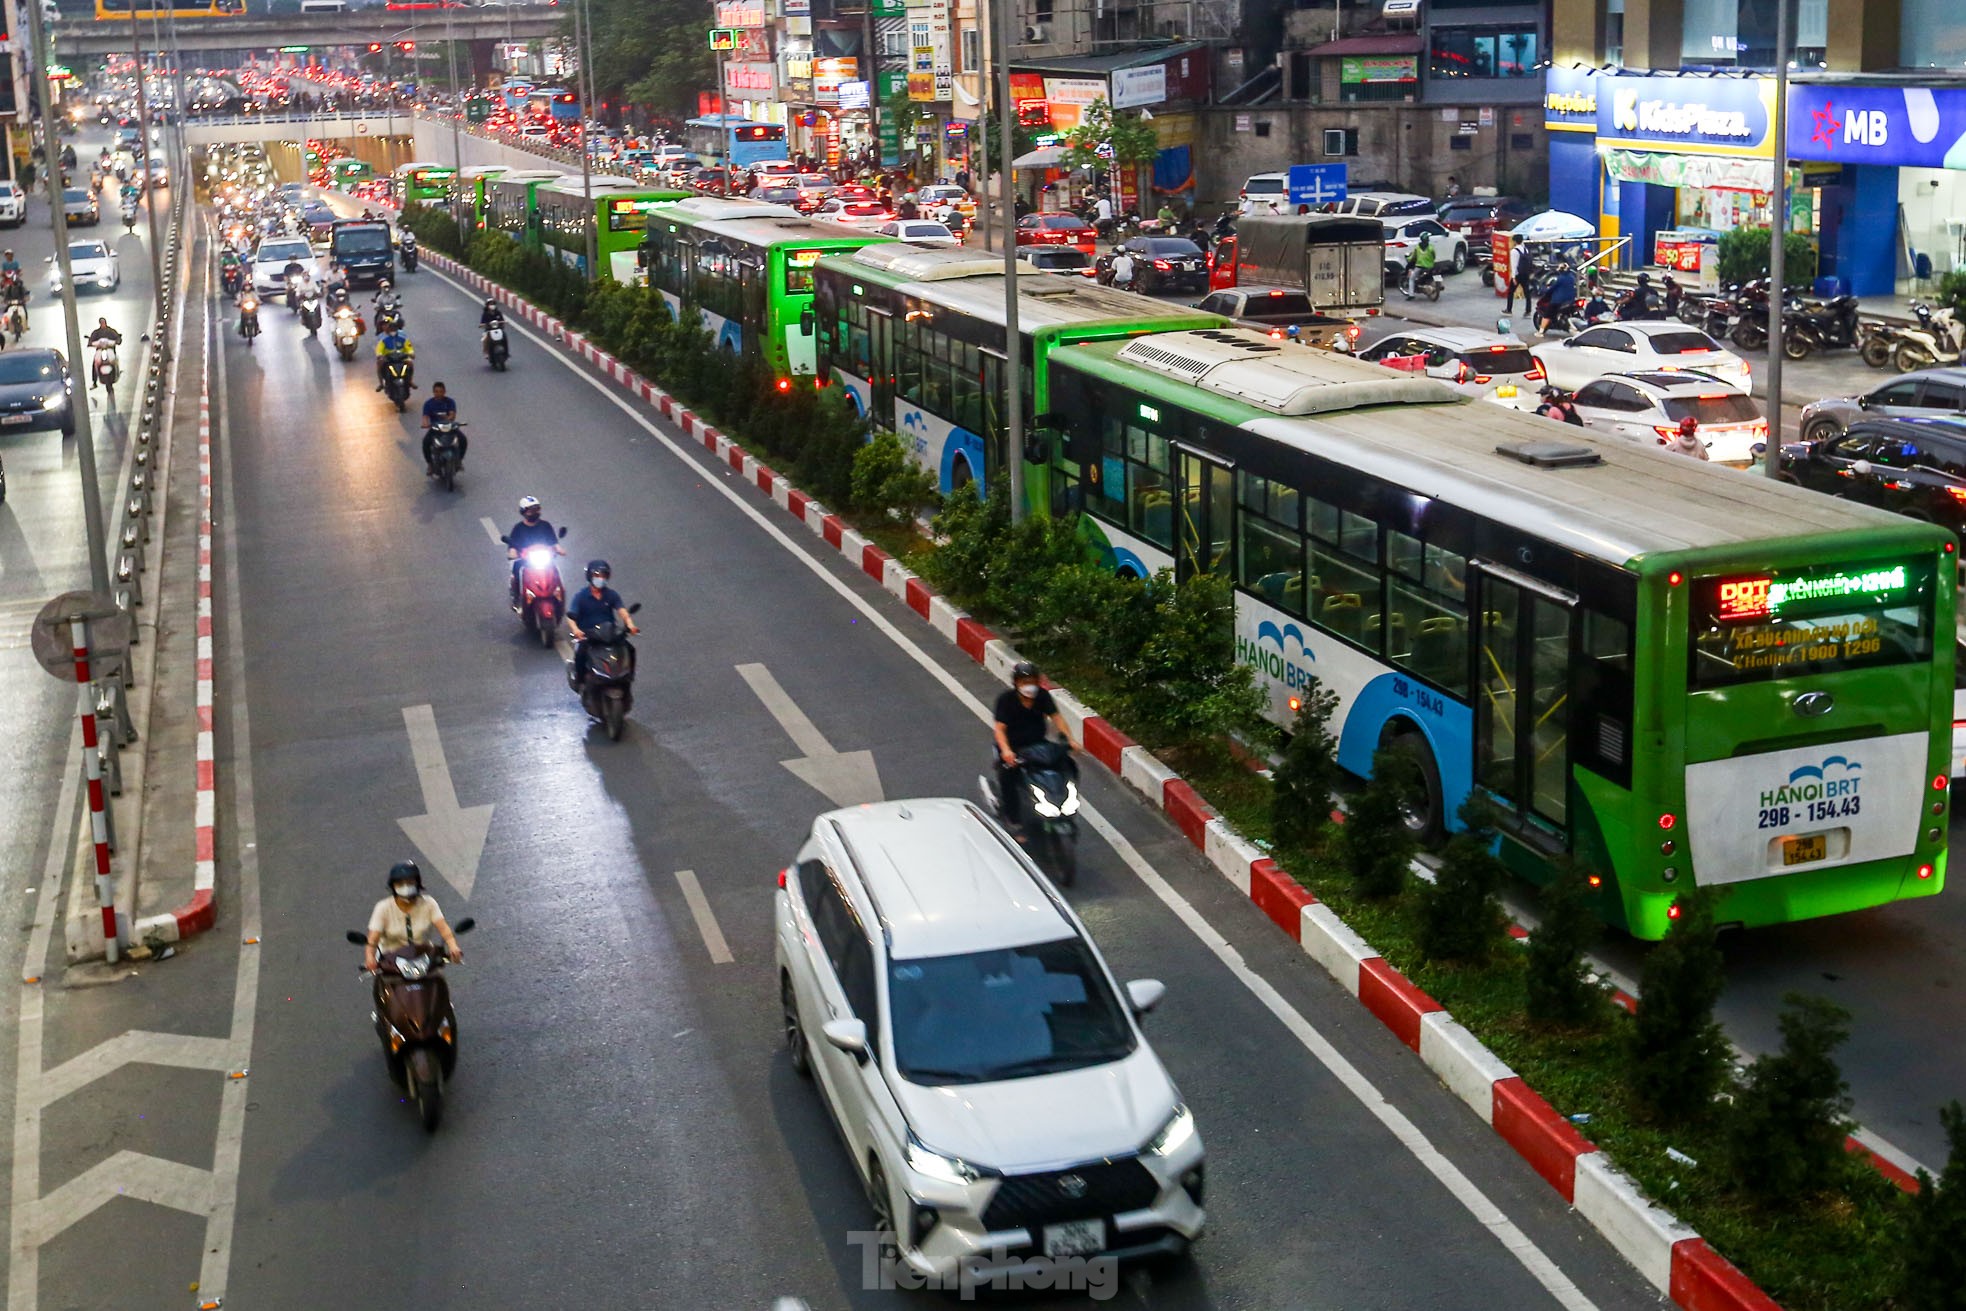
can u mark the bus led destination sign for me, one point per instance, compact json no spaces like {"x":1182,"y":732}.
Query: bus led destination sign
{"x":1760,"y":596}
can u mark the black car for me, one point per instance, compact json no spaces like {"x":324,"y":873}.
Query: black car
{"x":1165,"y":264}
{"x":35,"y":392}
{"x":1913,"y":467}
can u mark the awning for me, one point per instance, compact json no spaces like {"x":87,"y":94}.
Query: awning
{"x":1043,"y":157}
{"x":1403,"y":43}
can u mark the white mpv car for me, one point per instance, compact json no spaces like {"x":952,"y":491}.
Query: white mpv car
{"x":986,"y":1072}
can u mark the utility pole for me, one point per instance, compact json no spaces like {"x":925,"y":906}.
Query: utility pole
{"x":1771,"y":455}
{"x":143,"y":188}
{"x":85,"y":444}
{"x":1013,"y":340}
{"x":458,"y":208}
{"x":980,"y":175}
{"x":581,"y":19}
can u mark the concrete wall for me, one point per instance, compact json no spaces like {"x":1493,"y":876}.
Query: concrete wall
{"x":1410,"y":145}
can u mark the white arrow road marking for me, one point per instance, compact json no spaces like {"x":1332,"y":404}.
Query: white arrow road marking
{"x":706,"y":920}
{"x":491,"y":531}
{"x":846,"y":778}
{"x":451,"y":836}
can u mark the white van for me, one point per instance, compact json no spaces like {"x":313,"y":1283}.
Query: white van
{"x":1265,"y":193}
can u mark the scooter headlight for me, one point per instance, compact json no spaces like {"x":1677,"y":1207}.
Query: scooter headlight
{"x":1042,"y":803}
{"x":539,"y":557}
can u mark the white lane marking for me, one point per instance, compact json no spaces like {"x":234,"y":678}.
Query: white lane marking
{"x":451,"y":837}
{"x":706,"y":919}
{"x":807,"y":738}
{"x":1519,"y":1245}
{"x":491,"y":531}
{"x":845,"y":778}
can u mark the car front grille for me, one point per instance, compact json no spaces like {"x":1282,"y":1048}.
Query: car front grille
{"x":1097,"y":1188}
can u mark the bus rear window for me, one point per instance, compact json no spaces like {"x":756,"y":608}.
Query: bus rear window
{"x":1823,"y":619}
{"x":798,"y":271}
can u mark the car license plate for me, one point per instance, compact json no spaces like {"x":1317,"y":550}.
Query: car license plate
{"x":1801,"y":851}
{"x":16,"y":418}
{"x":1075,"y":1238}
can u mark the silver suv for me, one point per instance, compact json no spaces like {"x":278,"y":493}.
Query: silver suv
{"x":987,"y":1073}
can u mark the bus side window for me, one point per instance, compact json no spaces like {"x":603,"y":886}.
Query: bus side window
{"x":1602,"y":678}
{"x":1428,"y":629}
{"x":1344,"y":586}
{"x":1272,"y":554}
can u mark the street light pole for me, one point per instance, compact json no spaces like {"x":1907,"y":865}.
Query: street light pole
{"x":457,"y":144}
{"x":149,"y":202}
{"x":581,"y":20}
{"x":85,"y":444}
{"x":1013,"y":340}
{"x":1771,"y":456}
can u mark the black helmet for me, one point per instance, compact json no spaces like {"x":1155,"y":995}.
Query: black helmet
{"x":405,"y":870}
{"x":1552,"y":393}
{"x":1645,"y":279}
{"x":1022,"y":670}
{"x":600,"y":568}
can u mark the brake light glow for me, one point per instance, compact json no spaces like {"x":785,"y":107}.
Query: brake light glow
{"x":1462,"y":373}
{"x":1537,"y":373}
{"x":782,"y":875}
{"x":1672,"y":911}
{"x":1162,"y":265}
{"x":1957,"y":494}
{"x":1277,"y":294}
{"x":1940,"y":783}
{"x":1665,"y":434}
{"x":1924,"y":871}
{"x":1667,"y":820}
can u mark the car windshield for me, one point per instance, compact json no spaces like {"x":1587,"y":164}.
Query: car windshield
{"x":1683,"y":343}
{"x":87,"y":250}
{"x":1060,"y":221}
{"x":814,"y":181}
{"x":1171,"y":246}
{"x":17,"y":367}
{"x":1006,"y":1014}
{"x":285,"y":250}
{"x":75,"y":197}
{"x":1716,"y":407}
{"x":361,"y":241}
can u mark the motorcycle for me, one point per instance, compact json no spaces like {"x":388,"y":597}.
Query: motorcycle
{"x":310,"y":311}
{"x":249,"y":318}
{"x":607,"y":694}
{"x":1878,"y":342}
{"x":410,"y":256}
{"x":1834,"y":321}
{"x":1937,"y":336}
{"x":1048,"y":818}
{"x":497,"y":349}
{"x":1420,"y":282}
{"x":15,"y":321}
{"x":293,"y":292}
{"x":396,"y":384}
{"x":388,"y":319}
{"x":129,"y":216}
{"x":539,"y":598}
{"x":232,"y":279}
{"x":415,"y":1021}
{"x":445,"y":457}
{"x":347,"y":332}
{"x":103,"y":370}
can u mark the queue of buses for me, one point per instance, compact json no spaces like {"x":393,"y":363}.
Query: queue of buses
{"x":1675,"y":674}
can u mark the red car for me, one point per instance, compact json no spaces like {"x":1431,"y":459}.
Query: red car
{"x":1055,"y":230}
{"x":1477,"y":217}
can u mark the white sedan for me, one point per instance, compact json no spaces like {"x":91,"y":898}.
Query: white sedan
{"x":1640,"y":345}
{"x":919,"y":232}
{"x":271,"y":259}
{"x":94,"y":264}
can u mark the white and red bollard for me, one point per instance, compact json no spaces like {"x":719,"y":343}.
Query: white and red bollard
{"x":92,"y":769}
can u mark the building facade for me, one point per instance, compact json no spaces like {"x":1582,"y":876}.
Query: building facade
{"x":1661,"y":117}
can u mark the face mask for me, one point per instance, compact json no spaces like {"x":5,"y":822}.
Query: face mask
{"x":407,"y":891}
{"x":1027,"y":689}
{"x":532,"y":516}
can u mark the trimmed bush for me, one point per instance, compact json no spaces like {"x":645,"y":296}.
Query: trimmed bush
{"x":1786,"y":1127}
{"x":1675,"y":1056}
{"x":1557,"y":983}
{"x":1376,"y":844}
{"x":1460,"y":916}
{"x":1934,"y":1243}
{"x":1307,"y":777}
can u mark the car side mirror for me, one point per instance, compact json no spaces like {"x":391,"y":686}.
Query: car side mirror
{"x":850,"y":1036}
{"x":1863,"y":402}
{"x":1861,"y":468}
{"x":358,"y":938}
{"x":1144,"y":994}
{"x":464,"y":925}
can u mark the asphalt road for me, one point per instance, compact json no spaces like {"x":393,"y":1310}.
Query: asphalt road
{"x":624,"y":1124}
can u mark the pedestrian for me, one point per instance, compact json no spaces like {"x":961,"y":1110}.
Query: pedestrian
{"x":1525,"y":269}
{"x":1453,"y":186}
{"x":1687,"y":440}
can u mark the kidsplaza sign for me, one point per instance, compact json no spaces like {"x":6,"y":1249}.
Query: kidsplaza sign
{"x":1729,"y":112}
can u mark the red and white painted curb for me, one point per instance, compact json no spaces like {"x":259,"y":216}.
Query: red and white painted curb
{"x":201,"y":912}
{"x":1669,"y":1254}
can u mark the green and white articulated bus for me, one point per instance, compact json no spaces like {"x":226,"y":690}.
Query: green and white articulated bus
{"x":1683,"y":675}
{"x":748,"y":268}
{"x":916,"y":336}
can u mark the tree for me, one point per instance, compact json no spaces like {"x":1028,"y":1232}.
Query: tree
{"x":652,"y":52}
{"x":1308,"y":775}
{"x":1675,"y":1053}
{"x":1558,"y":986}
{"x":1377,"y":845}
{"x":1109,"y":139}
{"x":1934,"y":1277}
{"x":1460,"y":917}
{"x":1786,"y":1128}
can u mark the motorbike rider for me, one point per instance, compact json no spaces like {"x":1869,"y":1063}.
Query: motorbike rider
{"x":386,"y":300}
{"x":1637,"y":303}
{"x":390,"y":344}
{"x":1687,"y":440}
{"x":231,"y":271}
{"x":1122,"y":267}
{"x":489,"y":315}
{"x":9,"y":267}
{"x":1559,"y":405}
{"x":1556,"y":302}
{"x":597,"y":603}
{"x":438,"y":408}
{"x":531,"y":530}
{"x":1024,"y":711}
{"x":15,"y":293}
{"x":407,"y":915}
{"x":1420,"y":264}
{"x":103,"y":332}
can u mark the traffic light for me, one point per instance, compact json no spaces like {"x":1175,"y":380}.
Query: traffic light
{"x":406,"y":46}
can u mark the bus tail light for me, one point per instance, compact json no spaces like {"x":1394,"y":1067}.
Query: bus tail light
{"x":1924,"y":871}
{"x":1940,"y":782}
{"x":1672,"y":911}
{"x":785,"y":384}
{"x":1667,"y":820}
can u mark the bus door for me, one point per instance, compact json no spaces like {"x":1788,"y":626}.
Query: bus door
{"x":880,"y":374}
{"x":1204,"y":521}
{"x":1522,"y":651}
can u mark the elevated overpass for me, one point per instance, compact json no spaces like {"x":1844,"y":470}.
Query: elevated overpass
{"x":76,"y":37}
{"x":207,"y":129}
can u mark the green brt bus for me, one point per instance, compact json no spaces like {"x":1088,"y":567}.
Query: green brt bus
{"x":1679,"y":674}
{"x":916,"y":336}
{"x":510,"y":202}
{"x":468,"y":195}
{"x":423,"y":184}
{"x":619,"y":208}
{"x":748,"y":268}
{"x":347,"y":171}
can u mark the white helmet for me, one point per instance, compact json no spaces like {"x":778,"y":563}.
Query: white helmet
{"x":528,"y":503}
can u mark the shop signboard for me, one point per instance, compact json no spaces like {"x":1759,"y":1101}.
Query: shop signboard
{"x":921,"y":87}
{"x":892,"y":82}
{"x":741,"y":13}
{"x":827,"y":74}
{"x":1136,"y":88}
{"x":1909,"y":127}
{"x":1695,"y":115}
{"x":1068,"y":97}
{"x":1689,"y":252}
{"x":853,"y":95}
{"x":1027,"y":93}
{"x":1357,"y":69}
{"x":749,"y":81}
{"x":890,"y":140}
{"x":1570,"y":100}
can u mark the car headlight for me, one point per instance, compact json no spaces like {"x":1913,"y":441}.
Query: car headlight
{"x":933,"y":1164}
{"x":1173,"y":1135}
{"x":1043,"y":803}
{"x":55,"y":399}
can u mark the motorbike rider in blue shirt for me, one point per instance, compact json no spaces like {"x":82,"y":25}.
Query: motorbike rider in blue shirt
{"x":440,"y":406}
{"x":531,"y":530}
{"x":595,"y":604}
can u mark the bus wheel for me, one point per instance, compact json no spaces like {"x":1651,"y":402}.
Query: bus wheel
{"x":1425,"y":814}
